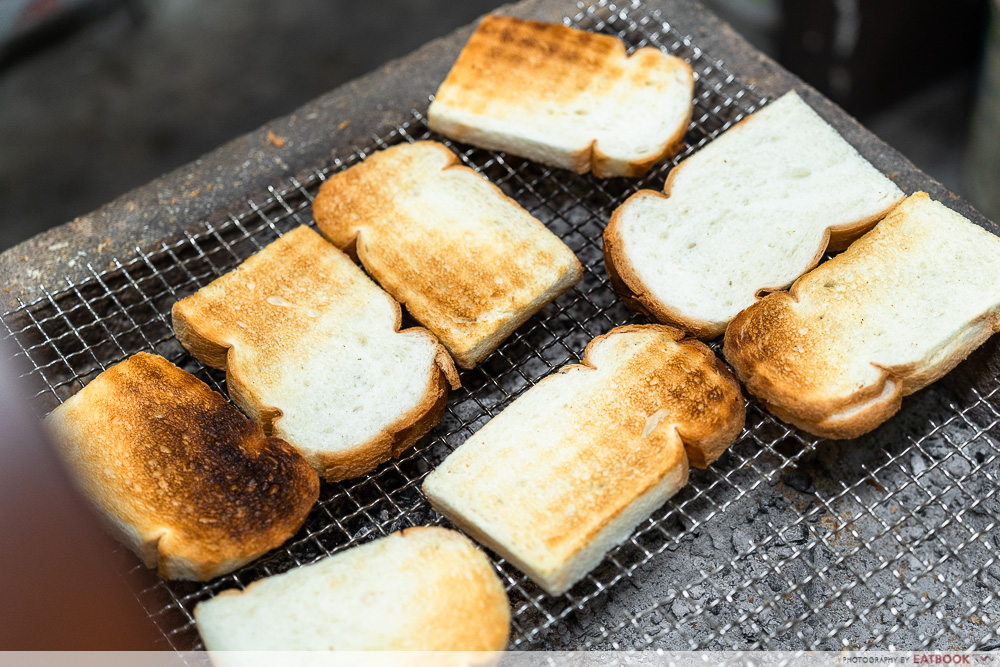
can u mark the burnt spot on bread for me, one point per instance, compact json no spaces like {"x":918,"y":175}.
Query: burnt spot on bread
{"x":182,"y":457}
{"x":779,"y":351}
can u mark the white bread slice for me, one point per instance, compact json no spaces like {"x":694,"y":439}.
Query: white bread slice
{"x":563,"y":97}
{"x":312,"y":349}
{"x":569,"y":469}
{"x":422,"y":589}
{"x":896,"y":311}
{"x":467,"y":261}
{"x":748,"y":213}
{"x":185,"y":481}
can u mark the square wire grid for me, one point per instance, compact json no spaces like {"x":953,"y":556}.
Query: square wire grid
{"x":892,"y":554}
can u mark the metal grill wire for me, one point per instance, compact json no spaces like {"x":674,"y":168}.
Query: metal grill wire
{"x":894,"y":554}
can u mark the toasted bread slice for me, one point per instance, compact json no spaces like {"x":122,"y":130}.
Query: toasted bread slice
{"x":573,"y":465}
{"x":186,"y":481}
{"x":466,"y":261}
{"x":749,"y":213}
{"x":312,"y":349}
{"x":563,"y":97}
{"x":896,"y":311}
{"x":422,"y":589}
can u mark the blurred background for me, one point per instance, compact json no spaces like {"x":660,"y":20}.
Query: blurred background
{"x":100,"y":96}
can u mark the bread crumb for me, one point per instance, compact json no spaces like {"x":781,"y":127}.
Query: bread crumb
{"x":275,"y":140}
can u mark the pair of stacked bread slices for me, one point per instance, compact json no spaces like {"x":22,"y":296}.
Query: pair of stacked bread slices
{"x":313,"y":354}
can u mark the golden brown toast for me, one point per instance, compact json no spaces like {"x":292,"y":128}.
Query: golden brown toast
{"x":573,"y":465}
{"x":565,"y":97}
{"x":893,"y":313}
{"x":312,"y":349}
{"x":186,"y":481}
{"x":467,"y":261}
{"x":421,"y":589}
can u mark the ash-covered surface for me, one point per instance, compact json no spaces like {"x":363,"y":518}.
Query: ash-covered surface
{"x":785,"y":542}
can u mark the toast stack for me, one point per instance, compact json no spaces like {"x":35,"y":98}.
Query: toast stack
{"x":312,"y":349}
{"x":184,"y":480}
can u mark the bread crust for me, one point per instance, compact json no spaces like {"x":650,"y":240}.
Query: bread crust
{"x":186,"y":481}
{"x":625,"y":280}
{"x":756,"y":345}
{"x":552,"y":64}
{"x":494,"y":281}
{"x":397,"y":438}
{"x":204,"y":339}
{"x":605,"y":166}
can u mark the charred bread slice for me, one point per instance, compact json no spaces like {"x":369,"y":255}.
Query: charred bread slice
{"x":186,"y":481}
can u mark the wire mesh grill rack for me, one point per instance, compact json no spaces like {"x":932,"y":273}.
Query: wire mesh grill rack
{"x":896,"y":545}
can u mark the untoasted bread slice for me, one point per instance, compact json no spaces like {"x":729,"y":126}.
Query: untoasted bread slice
{"x":749,"y":213}
{"x":312,"y":349}
{"x":564,"y":97}
{"x":573,"y":465}
{"x":422,"y":589}
{"x":186,"y":481}
{"x":467,"y":261}
{"x":896,"y":311}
